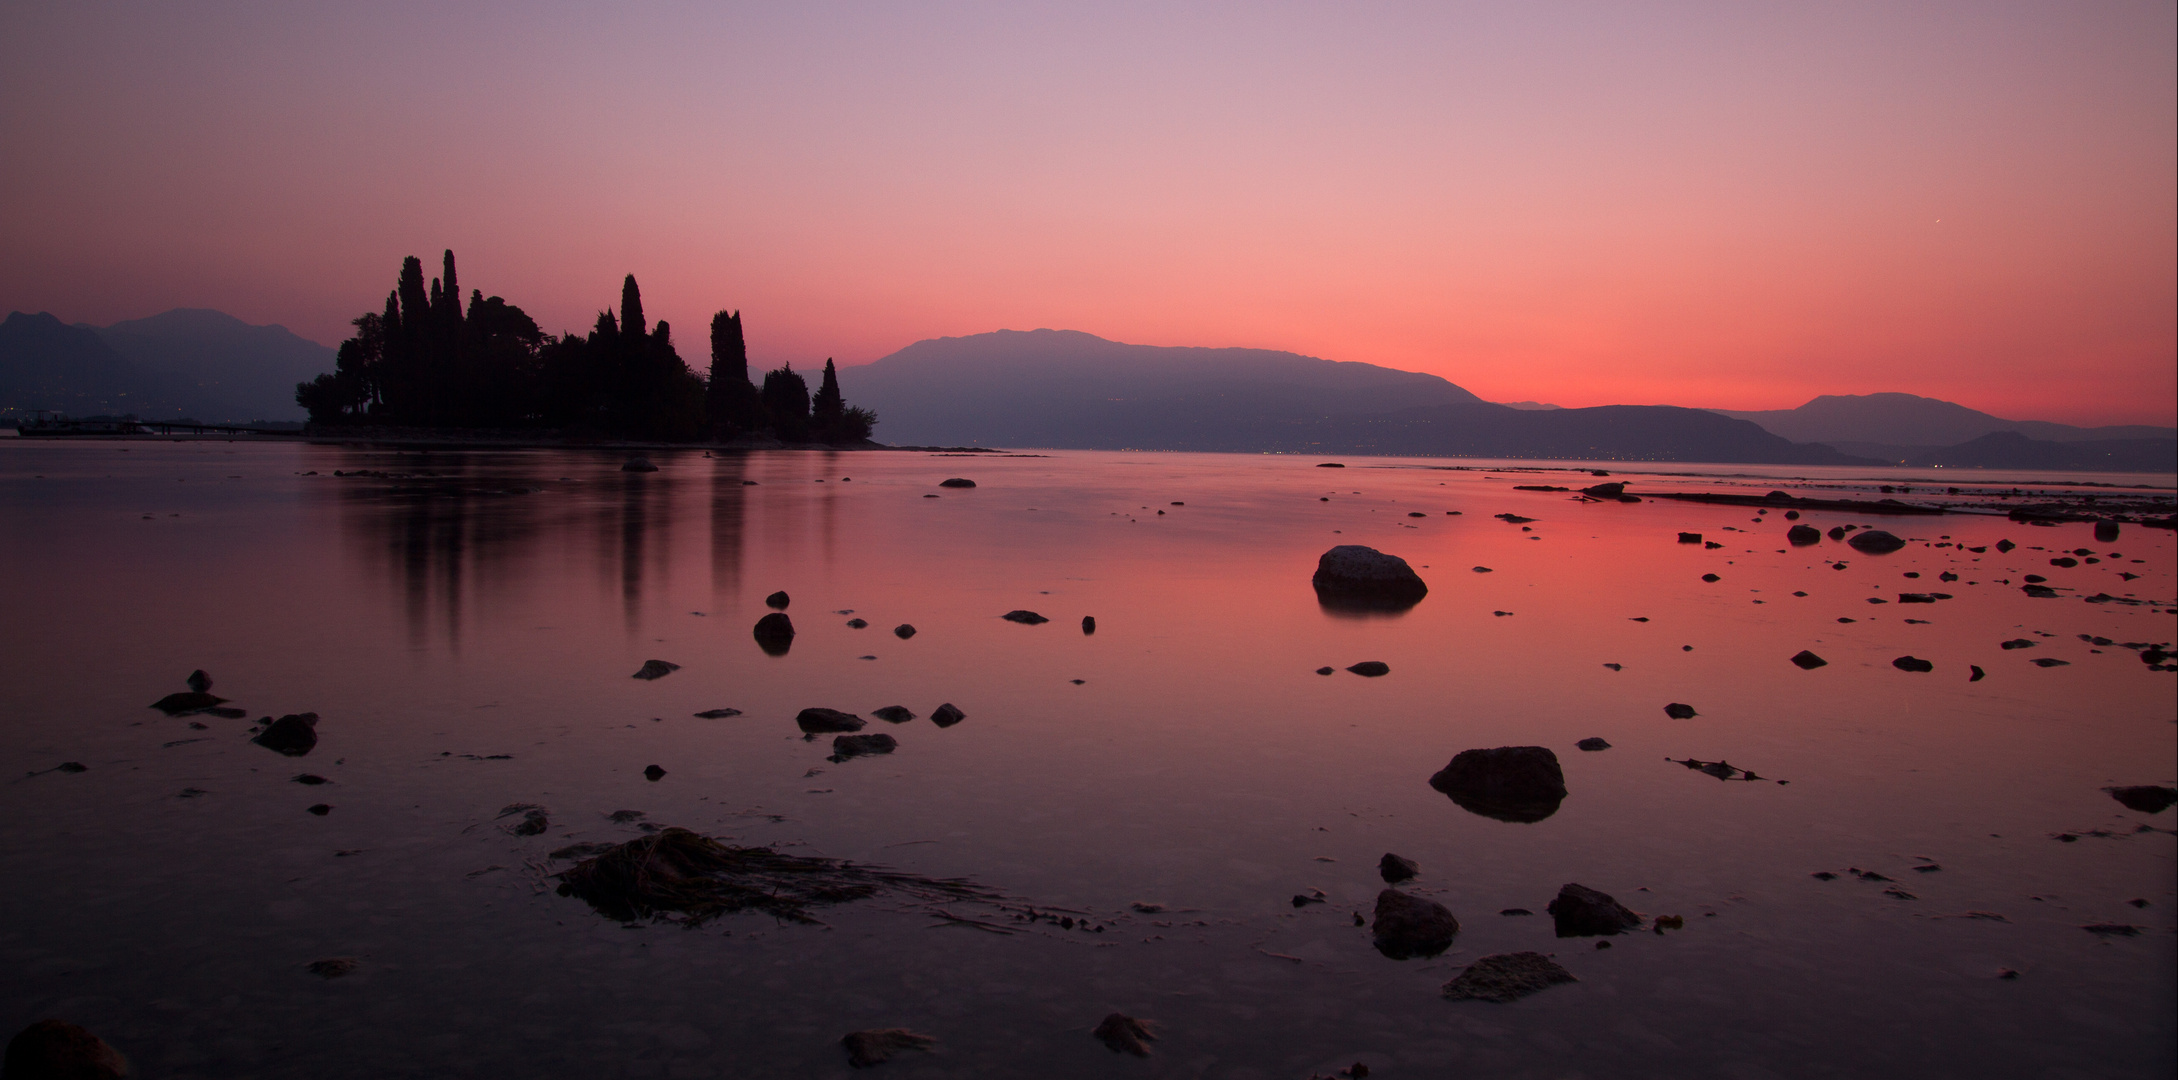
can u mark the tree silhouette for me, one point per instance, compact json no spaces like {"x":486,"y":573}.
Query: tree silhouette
{"x":786,"y":403}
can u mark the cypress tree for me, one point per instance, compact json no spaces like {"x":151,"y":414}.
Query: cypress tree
{"x":631,"y":309}
{"x":828,"y":404}
{"x":453,"y":290}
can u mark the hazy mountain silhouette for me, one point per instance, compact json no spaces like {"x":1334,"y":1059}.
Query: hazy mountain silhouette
{"x":1063,"y":388}
{"x":1909,"y":420}
{"x":190,"y":363}
{"x":2011,"y":450}
{"x":217,"y":367}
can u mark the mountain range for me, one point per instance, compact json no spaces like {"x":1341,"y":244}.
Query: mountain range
{"x":1067,"y":389}
{"x":188,"y":363}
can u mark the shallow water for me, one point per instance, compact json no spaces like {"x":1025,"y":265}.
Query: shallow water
{"x":437,"y":622}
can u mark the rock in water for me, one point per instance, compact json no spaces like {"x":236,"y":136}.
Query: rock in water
{"x":827,"y":721}
{"x":775,"y":633}
{"x":1583,"y":912}
{"x":1679,"y":710}
{"x":1803,"y":535}
{"x":1126,"y":1034}
{"x":188,"y":704}
{"x":1875,"y":542}
{"x":199,"y":681}
{"x":656,"y":669}
{"x":878,"y":1045}
{"x":1808,"y":661}
{"x":1912,"y":663}
{"x":294,"y":734}
{"x":1395,"y":869}
{"x":947,"y":715}
{"x":893,"y":714}
{"x":847,"y":746}
{"x":2146,"y":798}
{"x":58,"y":1050}
{"x":1509,"y":783}
{"x":1612,"y":490}
{"x":1409,"y":926}
{"x":1507,"y":977}
{"x":717,"y":714}
{"x":1690,"y":538}
{"x":777,"y":601}
{"x":652,"y":773}
{"x":2106,"y":532}
{"x":903,"y":631}
{"x":638,"y":463}
{"x":1370,"y":669}
{"x":1593,"y":744}
{"x":332,"y":967}
{"x":957,"y":482}
{"x":1363,"y":578}
{"x":1088,"y":624}
{"x":1024,"y":617}
{"x":858,"y":624}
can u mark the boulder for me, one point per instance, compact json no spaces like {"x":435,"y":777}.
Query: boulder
{"x":656,"y":669}
{"x":199,"y":681}
{"x":1912,"y":663}
{"x":1088,"y":624}
{"x":827,"y":721}
{"x":1024,"y":617}
{"x":1690,"y":538}
{"x":294,"y":734}
{"x":189,"y":704}
{"x":947,"y":715}
{"x":903,"y":631}
{"x":1409,"y":926}
{"x":1875,"y":542}
{"x":2106,"y":532}
{"x":847,"y":746}
{"x":1593,"y":744}
{"x":2145,"y":798}
{"x":1509,"y":783}
{"x":652,"y":773}
{"x":777,"y":601}
{"x":1370,"y":669}
{"x":1505,"y":977}
{"x":857,"y":624}
{"x":1808,"y":661}
{"x":58,"y":1050}
{"x":1395,"y":869}
{"x":1679,"y":710}
{"x":1363,"y":578}
{"x":957,"y":482}
{"x":878,"y":1045}
{"x":1583,"y":912}
{"x":1612,"y":490}
{"x":1803,"y":535}
{"x":775,"y":633}
{"x":893,"y":714}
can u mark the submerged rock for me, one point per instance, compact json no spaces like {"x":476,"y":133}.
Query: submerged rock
{"x":58,"y":1050}
{"x":2145,"y":798}
{"x":957,"y":482}
{"x":903,"y":631}
{"x":653,"y":773}
{"x":294,"y":734}
{"x":1509,"y":783}
{"x":1505,"y":977}
{"x":826,"y":721}
{"x":858,"y":624}
{"x":717,"y":714}
{"x":656,"y":669}
{"x":1123,"y":1034}
{"x":777,"y":601}
{"x":1409,"y":926}
{"x":1803,"y":535}
{"x":893,"y":714}
{"x":1679,"y":710}
{"x":189,"y":704}
{"x":947,"y":715}
{"x":1395,"y":869}
{"x":878,"y":1045}
{"x":1362,"y":578}
{"x":1912,"y":663}
{"x":200,"y":682}
{"x":1875,"y":542}
{"x":847,"y":746}
{"x":775,"y":633}
{"x":1593,"y":744}
{"x":1025,"y":617}
{"x":1370,"y":669}
{"x":1580,"y":911}
{"x":1808,"y":661}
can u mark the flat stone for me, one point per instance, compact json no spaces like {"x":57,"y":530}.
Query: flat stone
{"x":1679,"y":710}
{"x":816,"y":721}
{"x":893,"y":714}
{"x":1370,"y":669}
{"x":877,"y":1046}
{"x":1875,"y":542}
{"x":1593,"y":744}
{"x":656,"y":669}
{"x":1808,"y":661}
{"x":847,"y":746}
{"x":957,"y":482}
{"x":1025,"y":617}
{"x":1505,"y":977}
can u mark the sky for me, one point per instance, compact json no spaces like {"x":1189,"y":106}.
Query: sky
{"x":1735,"y":205}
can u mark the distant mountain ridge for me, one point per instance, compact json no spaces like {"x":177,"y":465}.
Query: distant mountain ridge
{"x":1068,"y":389}
{"x":188,"y":362}
{"x":1894,"y":419}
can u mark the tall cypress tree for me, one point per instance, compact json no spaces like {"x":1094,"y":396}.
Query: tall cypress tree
{"x":828,"y":404}
{"x":631,"y":310}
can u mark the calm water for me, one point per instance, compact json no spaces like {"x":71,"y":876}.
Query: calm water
{"x":1186,"y":754}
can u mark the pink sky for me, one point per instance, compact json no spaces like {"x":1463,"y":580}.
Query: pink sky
{"x":1734,"y":205}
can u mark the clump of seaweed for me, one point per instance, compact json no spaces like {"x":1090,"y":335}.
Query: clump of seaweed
{"x":675,"y":875}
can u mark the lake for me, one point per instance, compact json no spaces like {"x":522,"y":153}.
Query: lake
{"x":466,"y":624}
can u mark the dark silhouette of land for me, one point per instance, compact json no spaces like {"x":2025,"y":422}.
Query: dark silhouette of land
{"x":1909,"y":429}
{"x":182,"y":364}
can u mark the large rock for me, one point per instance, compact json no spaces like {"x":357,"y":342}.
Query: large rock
{"x":1875,"y":542}
{"x":657,"y":669}
{"x":295,"y":734}
{"x":1396,"y":869}
{"x":1803,"y":535}
{"x":199,"y":681}
{"x":1507,"y":977}
{"x":58,"y":1050}
{"x":847,"y":746}
{"x":1363,"y":578}
{"x":2146,"y":798}
{"x":827,"y":721}
{"x":1583,"y":912}
{"x":1409,"y":926}
{"x":775,"y":633}
{"x":947,"y":715}
{"x":1509,"y":783}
